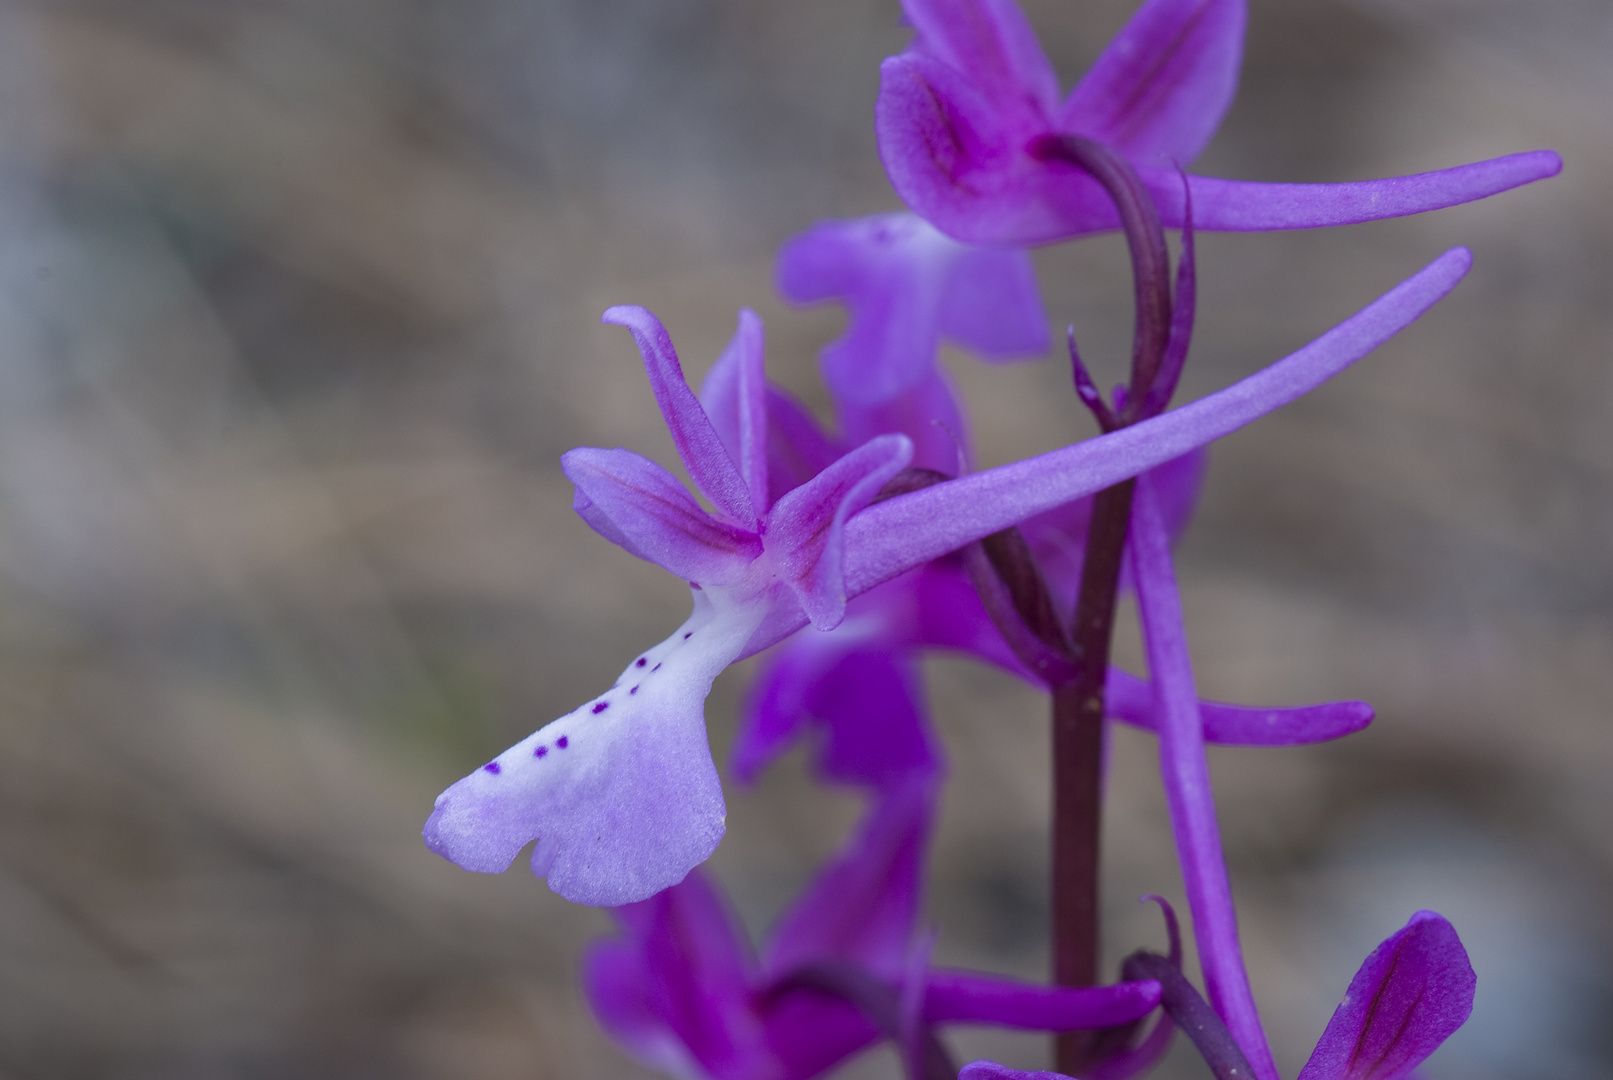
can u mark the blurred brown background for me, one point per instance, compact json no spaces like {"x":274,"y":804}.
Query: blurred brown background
{"x":299,"y":305}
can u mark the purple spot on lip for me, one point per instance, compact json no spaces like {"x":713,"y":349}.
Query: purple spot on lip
{"x":562,"y":742}
{"x":633,"y":691}
{"x":654,"y":669}
{"x":600,"y":706}
{"x":492,"y":767}
{"x":689,"y":635}
{"x":641,"y":661}
{"x":540,"y":751}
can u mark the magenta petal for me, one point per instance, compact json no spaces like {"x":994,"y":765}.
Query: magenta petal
{"x":952,"y":159}
{"x":899,"y":533}
{"x":992,"y":304}
{"x":1186,"y":776}
{"x":969,"y":998}
{"x":862,"y":905}
{"x":992,"y":44}
{"x":698,"y":444}
{"x":797,"y":448}
{"x":1159,"y":90}
{"x":928,"y":413}
{"x":1410,"y":995}
{"x":734,"y":397}
{"x":621,"y":793}
{"x":1131,"y":700}
{"x":675,"y":991}
{"x":633,"y":502}
{"x":1247,"y":206}
{"x":805,"y":531}
{"x":809,"y":1033}
{"x":905,"y":285}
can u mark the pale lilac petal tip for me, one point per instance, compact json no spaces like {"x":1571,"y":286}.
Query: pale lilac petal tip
{"x":1410,"y":995}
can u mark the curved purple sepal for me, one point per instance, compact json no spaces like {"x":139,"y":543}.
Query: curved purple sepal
{"x":1131,"y":700}
{"x":966,"y":997}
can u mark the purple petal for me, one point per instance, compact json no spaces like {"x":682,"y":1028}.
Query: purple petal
{"x":676,"y":989}
{"x":805,"y":531}
{"x":1131,"y":699}
{"x":734,"y":396}
{"x":865,"y":703}
{"x":1186,"y":775}
{"x":797,"y":448}
{"x":1158,"y":92}
{"x":810,"y":1033}
{"x":905,"y":284}
{"x":635,"y":503}
{"x":992,"y":304}
{"x":968,"y":998}
{"x":621,"y":793}
{"x":861,"y":906}
{"x":702,"y":451}
{"x":1247,"y":206}
{"x":1410,"y":995}
{"x":892,"y":536}
{"x":992,"y":44}
{"x":928,"y":413}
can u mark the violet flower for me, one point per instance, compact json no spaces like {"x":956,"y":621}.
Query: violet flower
{"x":621,"y":793}
{"x":682,"y":991}
{"x":969,"y":120}
{"x":906,"y":285}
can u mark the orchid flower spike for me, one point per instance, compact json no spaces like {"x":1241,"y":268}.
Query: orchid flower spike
{"x":621,"y":793}
{"x":682,"y":991}
{"x":970,"y":125}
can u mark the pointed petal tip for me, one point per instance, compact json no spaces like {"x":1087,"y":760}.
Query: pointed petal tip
{"x":632,"y":316}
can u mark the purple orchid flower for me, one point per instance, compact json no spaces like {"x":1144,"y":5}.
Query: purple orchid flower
{"x":969,"y":121}
{"x":857,"y":685}
{"x":621,"y":793}
{"x":682,"y":991}
{"x":906,"y":286}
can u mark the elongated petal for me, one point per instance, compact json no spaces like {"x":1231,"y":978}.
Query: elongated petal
{"x":896,"y":534}
{"x":1186,"y":776}
{"x":1411,"y":995}
{"x":633,"y":502}
{"x":862,"y":905}
{"x":1246,"y":206}
{"x":1131,"y":699}
{"x":990,"y":1070}
{"x":992,"y":44}
{"x":964,"y":997}
{"x":806,"y":530}
{"x":621,"y":793}
{"x":702,"y":451}
{"x":734,"y":397}
{"x":1158,"y":91}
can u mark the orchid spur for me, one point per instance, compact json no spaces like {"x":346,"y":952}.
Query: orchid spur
{"x":621,"y":793}
{"x":970,"y":125}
